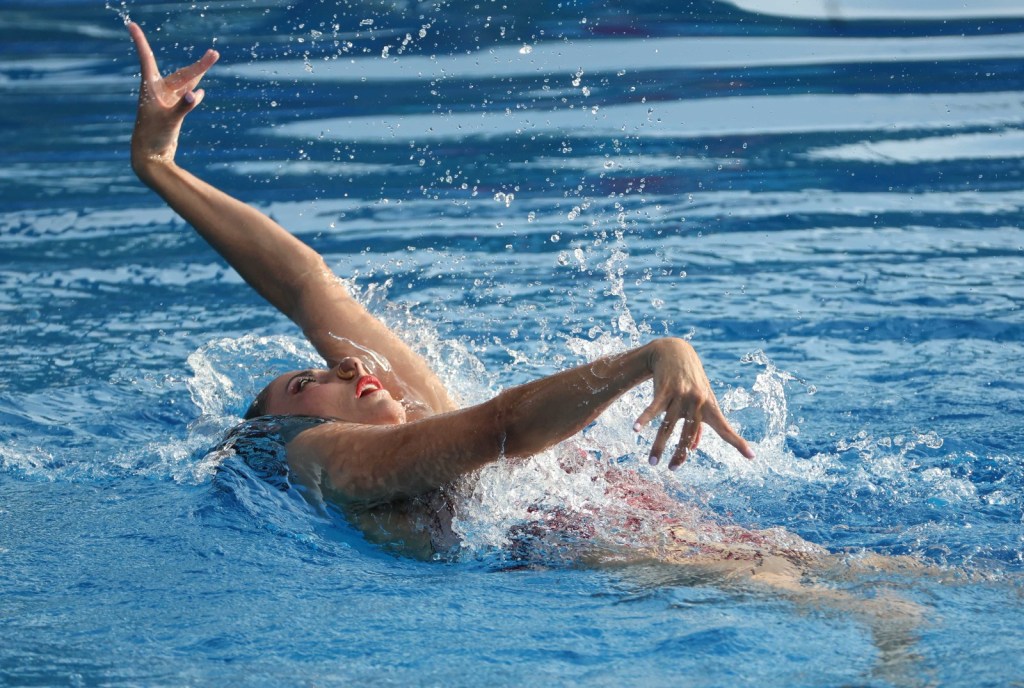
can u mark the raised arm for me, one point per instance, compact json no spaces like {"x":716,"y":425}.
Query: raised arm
{"x":371,"y":462}
{"x":282,"y":269}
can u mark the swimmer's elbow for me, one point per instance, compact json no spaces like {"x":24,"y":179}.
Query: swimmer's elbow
{"x":515,"y":432}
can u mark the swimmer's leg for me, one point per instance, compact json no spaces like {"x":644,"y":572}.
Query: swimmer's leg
{"x":807,"y":577}
{"x":893,"y":620}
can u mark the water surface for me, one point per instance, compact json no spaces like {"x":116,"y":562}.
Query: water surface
{"x":826,"y":200}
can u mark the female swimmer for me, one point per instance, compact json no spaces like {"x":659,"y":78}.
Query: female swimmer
{"x":393,"y":431}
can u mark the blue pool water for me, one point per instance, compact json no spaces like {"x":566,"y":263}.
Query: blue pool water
{"x":826,"y":197}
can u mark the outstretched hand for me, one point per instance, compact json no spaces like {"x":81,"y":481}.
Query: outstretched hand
{"x":163,"y":103}
{"x":683,"y":393}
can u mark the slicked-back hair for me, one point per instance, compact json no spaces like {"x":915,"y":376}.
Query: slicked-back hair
{"x":258,"y":407}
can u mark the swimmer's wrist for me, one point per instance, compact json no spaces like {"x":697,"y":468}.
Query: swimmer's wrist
{"x":151,"y":153}
{"x":148,"y":166}
{"x":658,"y":349}
{"x":653,"y":353}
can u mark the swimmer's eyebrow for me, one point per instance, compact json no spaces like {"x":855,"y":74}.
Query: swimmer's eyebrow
{"x":296,"y":376}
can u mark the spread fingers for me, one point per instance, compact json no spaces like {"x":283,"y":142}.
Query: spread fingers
{"x":687,"y":441}
{"x":189,"y":77}
{"x":672,"y":415}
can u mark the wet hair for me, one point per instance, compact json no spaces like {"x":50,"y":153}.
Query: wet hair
{"x":258,"y":407}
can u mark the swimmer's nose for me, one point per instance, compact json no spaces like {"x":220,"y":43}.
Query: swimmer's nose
{"x":349,"y":367}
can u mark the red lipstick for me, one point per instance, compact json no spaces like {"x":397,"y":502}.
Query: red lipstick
{"x":367,"y":384}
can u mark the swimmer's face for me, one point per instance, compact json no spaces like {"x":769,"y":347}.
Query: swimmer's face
{"x":347,"y":392}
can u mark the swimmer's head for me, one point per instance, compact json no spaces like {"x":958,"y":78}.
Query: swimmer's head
{"x":349,"y":392}
{"x":259,"y":405}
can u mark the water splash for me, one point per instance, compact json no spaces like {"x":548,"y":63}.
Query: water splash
{"x":597,"y":489}
{"x":121,"y":10}
{"x":35,"y":462}
{"x":227,"y":374}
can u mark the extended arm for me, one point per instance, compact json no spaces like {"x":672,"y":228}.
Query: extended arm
{"x":282,"y":269}
{"x":378,"y":463}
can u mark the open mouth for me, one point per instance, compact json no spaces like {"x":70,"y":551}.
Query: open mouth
{"x":367,"y":384}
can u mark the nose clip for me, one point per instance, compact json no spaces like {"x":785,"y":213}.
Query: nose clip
{"x":347,"y":368}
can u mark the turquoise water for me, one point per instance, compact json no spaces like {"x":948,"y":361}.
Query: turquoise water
{"x":826,"y":199}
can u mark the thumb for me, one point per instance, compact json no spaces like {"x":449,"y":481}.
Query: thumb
{"x":717,"y":421}
{"x":190,"y":101}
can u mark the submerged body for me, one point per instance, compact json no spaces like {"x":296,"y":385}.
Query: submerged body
{"x":634,"y":520}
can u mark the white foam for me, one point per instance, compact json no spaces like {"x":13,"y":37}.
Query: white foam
{"x":33,"y":461}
